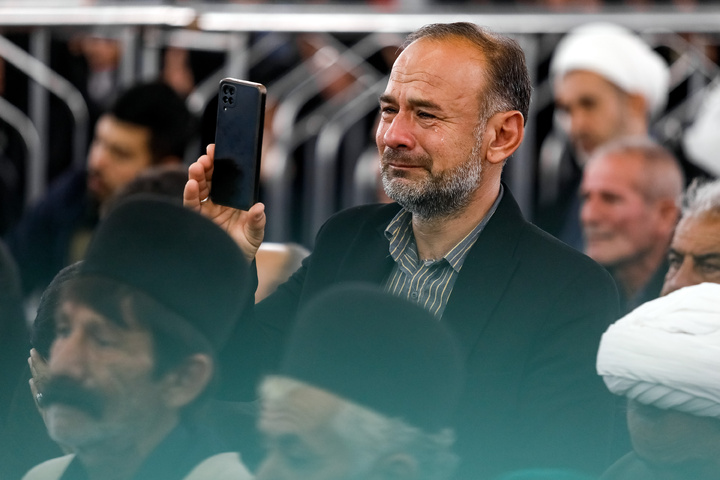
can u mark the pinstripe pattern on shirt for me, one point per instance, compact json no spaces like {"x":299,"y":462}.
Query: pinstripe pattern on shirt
{"x":428,"y":283}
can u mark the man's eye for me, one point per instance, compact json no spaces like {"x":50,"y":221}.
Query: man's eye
{"x":709,"y":268}
{"x":426,"y":115}
{"x":388,"y":110}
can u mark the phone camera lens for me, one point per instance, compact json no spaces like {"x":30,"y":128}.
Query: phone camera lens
{"x":232,"y":90}
{"x":226,"y":89}
{"x":230,"y":100}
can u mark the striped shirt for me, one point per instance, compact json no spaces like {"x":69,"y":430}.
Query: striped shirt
{"x":428,"y":283}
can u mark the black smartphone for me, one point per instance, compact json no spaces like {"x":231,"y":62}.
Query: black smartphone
{"x":238,"y":143}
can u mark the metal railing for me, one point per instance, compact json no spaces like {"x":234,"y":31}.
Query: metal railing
{"x":146,"y":29}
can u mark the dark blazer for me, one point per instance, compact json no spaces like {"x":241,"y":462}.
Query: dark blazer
{"x":528,"y":311}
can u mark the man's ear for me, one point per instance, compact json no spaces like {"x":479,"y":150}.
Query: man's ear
{"x":187,"y":381}
{"x":638,"y":105}
{"x":505,"y":131}
{"x":398,"y":466}
{"x":669,"y":213}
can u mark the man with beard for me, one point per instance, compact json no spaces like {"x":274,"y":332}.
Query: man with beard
{"x":148,"y":125}
{"x":528,"y":310}
{"x":133,"y":357}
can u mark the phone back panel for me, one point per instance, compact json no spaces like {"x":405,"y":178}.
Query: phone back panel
{"x":238,"y":143}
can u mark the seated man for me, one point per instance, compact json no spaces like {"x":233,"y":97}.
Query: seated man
{"x":664,"y":358}
{"x":366,"y":390}
{"x":630,"y":191}
{"x":148,"y":125}
{"x":695,"y":248}
{"x":607,"y":83}
{"x":133,"y":357}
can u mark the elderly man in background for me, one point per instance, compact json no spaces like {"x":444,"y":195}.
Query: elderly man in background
{"x":665,"y":358}
{"x":630,"y":192}
{"x":695,"y":248}
{"x":366,"y":390}
{"x":607,"y":83}
{"x":133,"y":357}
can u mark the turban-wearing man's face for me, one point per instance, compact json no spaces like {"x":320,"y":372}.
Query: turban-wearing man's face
{"x":675,"y":444}
{"x":592,"y":110}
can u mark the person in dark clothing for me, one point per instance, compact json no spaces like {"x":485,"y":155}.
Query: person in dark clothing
{"x":147,"y":125}
{"x":630,"y":195}
{"x":133,"y":356}
{"x":528,"y":310}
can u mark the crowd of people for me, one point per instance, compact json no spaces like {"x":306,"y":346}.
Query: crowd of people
{"x":439,"y":335}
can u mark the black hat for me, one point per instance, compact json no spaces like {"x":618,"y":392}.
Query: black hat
{"x":177,"y":257}
{"x":379,"y":351}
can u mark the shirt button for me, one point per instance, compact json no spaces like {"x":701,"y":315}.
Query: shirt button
{"x":414,"y":295}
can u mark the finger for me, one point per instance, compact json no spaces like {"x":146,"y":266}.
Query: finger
{"x":191,"y":195}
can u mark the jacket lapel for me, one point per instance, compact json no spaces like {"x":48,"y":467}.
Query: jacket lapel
{"x":486,"y":274}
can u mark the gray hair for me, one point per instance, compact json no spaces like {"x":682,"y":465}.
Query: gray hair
{"x":370,"y":435}
{"x":702,"y":198}
{"x":663,"y":175}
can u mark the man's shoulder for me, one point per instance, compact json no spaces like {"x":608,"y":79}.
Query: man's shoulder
{"x":223,"y":466}
{"x":373,"y":211}
{"x":50,"y":469}
{"x":360,"y":218}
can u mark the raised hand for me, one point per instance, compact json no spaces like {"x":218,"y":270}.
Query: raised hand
{"x":247,"y":228}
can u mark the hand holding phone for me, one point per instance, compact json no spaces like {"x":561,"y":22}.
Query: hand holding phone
{"x":238,"y":143}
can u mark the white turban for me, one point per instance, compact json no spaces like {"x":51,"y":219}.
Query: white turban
{"x":666,"y":353}
{"x":618,"y":55}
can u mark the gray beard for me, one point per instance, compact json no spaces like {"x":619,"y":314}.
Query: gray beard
{"x":443,"y":194}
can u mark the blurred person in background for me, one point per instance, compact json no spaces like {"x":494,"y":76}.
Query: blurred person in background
{"x":630,"y":194}
{"x":607,"y":83}
{"x":148,"y":125}
{"x":359,"y":397}
{"x":132,"y":361}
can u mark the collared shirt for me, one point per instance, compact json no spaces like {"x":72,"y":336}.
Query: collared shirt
{"x":429,"y":283}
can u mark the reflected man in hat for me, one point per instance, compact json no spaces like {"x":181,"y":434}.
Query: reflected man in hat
{"x":133,"y":356}
{"x":366,"y":390}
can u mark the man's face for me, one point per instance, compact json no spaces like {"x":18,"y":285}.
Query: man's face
{"x":429,"y":135}
{"x":619,"y":224}
{"x":101,"y":391}
{"x":669,"y":441}
{"x":591,"y":110}
{"x":694,"y":253}
{"x":301,"y":442}
{"x":118,"y":153}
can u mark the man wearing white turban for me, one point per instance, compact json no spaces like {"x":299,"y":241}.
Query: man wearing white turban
{"x":664,"y":357}
{"x":607,"y":83}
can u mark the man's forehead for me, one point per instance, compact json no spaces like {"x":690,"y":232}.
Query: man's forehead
{"x":442,"y":63}
{"x":698,"y":234}
{"x":77,"y":311}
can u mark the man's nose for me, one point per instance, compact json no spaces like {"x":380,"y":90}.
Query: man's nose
{"x":69,"y":356}
{"x":397,"y":134}
{"x":683,"y":276}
